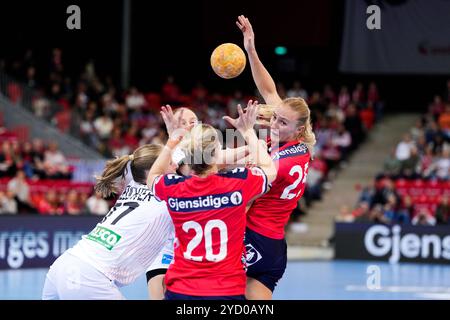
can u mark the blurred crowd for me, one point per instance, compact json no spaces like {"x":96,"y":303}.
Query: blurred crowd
{"x":414,"y":185}
{"x":115,"y":122}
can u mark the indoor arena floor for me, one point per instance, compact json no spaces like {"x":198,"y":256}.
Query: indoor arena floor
{"x":303,"y":280}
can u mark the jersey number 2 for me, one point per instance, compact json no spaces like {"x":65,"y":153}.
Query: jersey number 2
{"x":301,"y":178}
{"x":210,"y":256}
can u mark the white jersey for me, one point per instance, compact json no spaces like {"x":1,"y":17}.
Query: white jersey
{"x":129,"y":238}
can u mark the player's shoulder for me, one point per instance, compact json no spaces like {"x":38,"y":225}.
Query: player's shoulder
{"x":236,"y":173}
{"x":174,"y":179}
{"x":295,"y":151}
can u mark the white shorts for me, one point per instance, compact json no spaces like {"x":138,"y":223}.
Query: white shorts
{"x":70,"y":278}
{"x":164,"y":257}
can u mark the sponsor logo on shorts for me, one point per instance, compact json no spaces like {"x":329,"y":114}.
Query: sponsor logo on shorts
{"x":253,"y":256}
{"x":104,"y":237}
{"x":166,"y":259}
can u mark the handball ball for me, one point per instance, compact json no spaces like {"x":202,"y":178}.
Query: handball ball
{"x":228,"y":60}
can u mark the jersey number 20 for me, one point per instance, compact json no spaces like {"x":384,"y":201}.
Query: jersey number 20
{"x":301,"y":178}
{"x":210,"y":256}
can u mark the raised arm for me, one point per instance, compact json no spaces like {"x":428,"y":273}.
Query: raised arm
{"x":261,"y":76}
{"x":176,"y":133}
{"x":257,"y":148}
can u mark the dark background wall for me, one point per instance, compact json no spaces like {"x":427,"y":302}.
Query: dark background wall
{"x":177,"y":37}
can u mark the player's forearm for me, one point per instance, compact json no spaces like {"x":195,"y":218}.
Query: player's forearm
{"x":263,"y":80}
{"x":258,"y":152}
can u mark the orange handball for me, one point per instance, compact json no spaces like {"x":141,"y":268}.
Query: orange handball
{"x":228,"y":60}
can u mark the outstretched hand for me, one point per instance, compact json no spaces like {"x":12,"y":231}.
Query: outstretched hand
{"x":249,"y":37}
{"x":173,"y":124}
{"x":247,"y":119}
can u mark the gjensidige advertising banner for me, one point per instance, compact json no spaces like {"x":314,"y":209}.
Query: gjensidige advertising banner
{"x":395,"y":243}
{"x":36,"y":241}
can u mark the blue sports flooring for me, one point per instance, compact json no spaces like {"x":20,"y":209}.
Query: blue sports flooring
{"x":303,"y":280}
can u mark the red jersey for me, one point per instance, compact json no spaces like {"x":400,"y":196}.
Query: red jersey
{"x":209,"y":219}
{"x":269,"y":214}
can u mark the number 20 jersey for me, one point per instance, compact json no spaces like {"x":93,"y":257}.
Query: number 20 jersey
{"x":129,"y":238}
{"x":269,"y":214}
{"x":209,"y":219}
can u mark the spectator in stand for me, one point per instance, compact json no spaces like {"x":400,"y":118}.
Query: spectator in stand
{"x":329,"y":95}
{"x":344,"y":98}
{"x":160,"y":138}
{"x":38,"y":158}
{"x":342,"y":140}
{"x":62,"y":119}
{"x":443,"y":211}
{"x":440,"y":168}
{"x":367,"y":116}
{"x":376,"y":215}
{"x":385,"y":190}
{"x":358,"y":94}
{"x":444,"y":122}
{"x":103,"y":126}
{"x":27,"y":157}
{"x":421,"y":144}
{"x":405,"y":211}
{"x":361,"y":212}
{"x":41,"y":105}
{"x":109,"y":102}
{"x":296,"y":91}
{"x":96,"y":205}
{"x":390,"y":209}
{"x":30,"y":80}
{"x":149,"y":131}
{"x":8,"y":204}
{"x":432,"y":131}
{"x":87,"y":131}
{"x":334,"y":112}
{"x":403,"y":150}
{"x":411,"y":166}
{"x":314,"y":179}
{"x":7,"y":160}
{"x":55,"y":163}
{"x":50,"y":205}
{"x":423,"y":218}
{"x":426,"y":160}
{"x":72,"y":205}
{"x":117,"y":144}
{"x":135,"y":100}
{"x":131,"y":138}
{"x":345,"y":215}
{"x":81,"y":97}
{"x":391,"y":165}
{"x":18,"y":186}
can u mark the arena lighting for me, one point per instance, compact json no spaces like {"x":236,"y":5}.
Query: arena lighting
{"x":280,"y":50}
